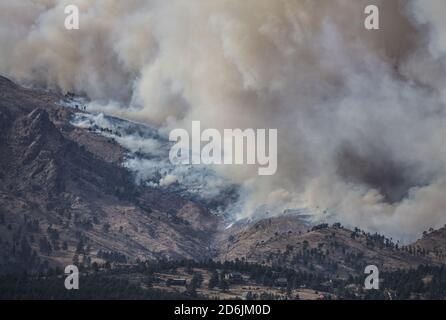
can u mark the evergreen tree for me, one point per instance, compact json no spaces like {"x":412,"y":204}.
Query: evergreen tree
{"x":214,"y":280}
{"x":224,"y":285}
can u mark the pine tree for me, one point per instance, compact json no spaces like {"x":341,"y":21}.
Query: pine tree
{"x":214,"y":280}
{"x":224,"y":285}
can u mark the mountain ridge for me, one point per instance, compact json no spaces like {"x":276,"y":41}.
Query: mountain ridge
{"x":66,"y":198}
{"x":60,"y":202}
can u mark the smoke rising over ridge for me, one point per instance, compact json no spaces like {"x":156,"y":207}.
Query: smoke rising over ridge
{"x":360,"y":114}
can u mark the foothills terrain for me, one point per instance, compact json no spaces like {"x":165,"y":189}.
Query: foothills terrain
{"x":66,"y":198}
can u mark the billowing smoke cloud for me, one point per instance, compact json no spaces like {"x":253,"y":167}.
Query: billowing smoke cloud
{"x":360,"y":114}
{"x":148,"y":159}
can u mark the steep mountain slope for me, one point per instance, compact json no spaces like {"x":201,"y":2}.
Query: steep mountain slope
{"x":64,"y":195}
{"x":433,"y":241}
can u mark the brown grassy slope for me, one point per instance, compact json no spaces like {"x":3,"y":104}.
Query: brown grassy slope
{"x":63,"y":185}
{"x":328,"y":250}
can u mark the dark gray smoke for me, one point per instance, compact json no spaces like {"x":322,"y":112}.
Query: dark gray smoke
{"x":361,"y":114}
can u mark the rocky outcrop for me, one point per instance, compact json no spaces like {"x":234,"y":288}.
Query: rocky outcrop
{"x":60,"y":202}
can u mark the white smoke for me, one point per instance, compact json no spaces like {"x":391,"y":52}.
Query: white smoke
{"x":361,"y":114}
{"x":148,"y":159}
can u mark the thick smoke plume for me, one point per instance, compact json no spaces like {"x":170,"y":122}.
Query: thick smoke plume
{"x":361,"y":114}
